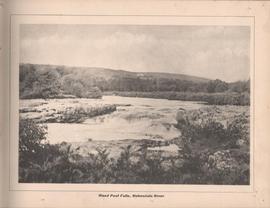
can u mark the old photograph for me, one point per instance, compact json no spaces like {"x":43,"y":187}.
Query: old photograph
{"x":134,"y":104}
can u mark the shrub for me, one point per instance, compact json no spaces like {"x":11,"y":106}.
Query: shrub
{"x":38,"y":160}
{"x":32,"y":141}
{"x":214,"y":153}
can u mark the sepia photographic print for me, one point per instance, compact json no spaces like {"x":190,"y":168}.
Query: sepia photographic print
{"x":134,"y":104}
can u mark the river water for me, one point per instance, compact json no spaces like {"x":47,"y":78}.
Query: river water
{"x":135,"y":118}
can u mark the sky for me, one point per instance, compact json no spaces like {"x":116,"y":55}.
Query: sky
{"x":215,"y":52}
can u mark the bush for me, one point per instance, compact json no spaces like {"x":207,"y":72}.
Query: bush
{"x":214,"y":153}
{"x":38,"y":160}
{"x":32,"y":141}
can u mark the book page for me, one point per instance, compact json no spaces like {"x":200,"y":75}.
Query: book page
{"x":150,"y":104}
{"x":2,"y":95}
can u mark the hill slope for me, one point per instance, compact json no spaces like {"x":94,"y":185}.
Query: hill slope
{"x":51,"y":81}
{"x":107,"y":73}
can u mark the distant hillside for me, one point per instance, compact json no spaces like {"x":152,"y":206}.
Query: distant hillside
{"x":51,"y":81}
{"x":107,"y":73}
{"x":161,"y":75}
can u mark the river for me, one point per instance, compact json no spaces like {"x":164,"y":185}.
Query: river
{"x":135,"y":118}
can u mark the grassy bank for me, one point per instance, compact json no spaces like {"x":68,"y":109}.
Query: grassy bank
{"x":224,"y":98}
{"x":62,"y":111}
{"x":80,"y":114}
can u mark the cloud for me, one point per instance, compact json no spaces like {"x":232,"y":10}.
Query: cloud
{"x":207,"y":51}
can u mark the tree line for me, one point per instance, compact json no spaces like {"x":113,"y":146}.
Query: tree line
{"x":51,"y":82}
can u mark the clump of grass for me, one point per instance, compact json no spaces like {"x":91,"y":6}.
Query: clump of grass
{"x":80,"y":114}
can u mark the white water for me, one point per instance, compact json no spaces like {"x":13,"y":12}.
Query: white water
{"x":146,"y":118}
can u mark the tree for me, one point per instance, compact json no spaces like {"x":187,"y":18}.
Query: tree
{"x":94,"y":92}
{"x":217,"y":86}
{"x":38,"y":83}
{"x":240,"y":86}
{"x":76,"y":89}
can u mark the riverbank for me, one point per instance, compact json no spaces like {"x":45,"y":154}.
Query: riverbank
{"x":224,"y":98}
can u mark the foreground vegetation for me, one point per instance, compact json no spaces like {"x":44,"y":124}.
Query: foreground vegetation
{"x":210,"y":152}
